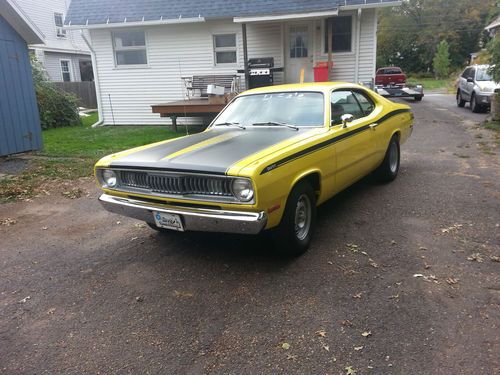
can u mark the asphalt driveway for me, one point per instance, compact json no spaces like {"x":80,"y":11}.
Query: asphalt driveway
{"x":401,"y":279}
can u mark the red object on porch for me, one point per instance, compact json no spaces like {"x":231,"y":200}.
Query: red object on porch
{"x":321,"y":72}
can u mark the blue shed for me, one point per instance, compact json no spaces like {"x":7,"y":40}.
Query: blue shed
{"x":19,"y":118}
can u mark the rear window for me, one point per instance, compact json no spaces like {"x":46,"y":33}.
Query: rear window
{"x":390,"y":71}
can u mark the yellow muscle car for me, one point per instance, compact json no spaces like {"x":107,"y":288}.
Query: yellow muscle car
{"x":267,"y":161}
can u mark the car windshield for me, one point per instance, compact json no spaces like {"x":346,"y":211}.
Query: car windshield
{"x":483,"y":75}
{"x":301,"y":109}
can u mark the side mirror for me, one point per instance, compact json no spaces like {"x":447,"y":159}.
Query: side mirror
{"x":347,"y":118}
{"x":470,"y":80}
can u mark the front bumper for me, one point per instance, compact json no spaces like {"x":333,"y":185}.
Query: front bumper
{"x":193,"y":219}
{"x":484,"y":98}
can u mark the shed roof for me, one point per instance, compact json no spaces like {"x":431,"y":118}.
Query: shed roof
{"x":20,"y":22}
{"x":95,"y":12}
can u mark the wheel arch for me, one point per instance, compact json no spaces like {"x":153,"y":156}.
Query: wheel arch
{"x":312,"y":176}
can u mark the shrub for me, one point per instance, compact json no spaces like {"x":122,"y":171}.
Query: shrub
{"x":57,"y":108}
{"x":441,"y":62}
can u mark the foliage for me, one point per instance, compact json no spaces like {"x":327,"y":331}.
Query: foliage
{"x":441,"y":61}
{"x":494,"y":51}
{"x":408,"y":34}
{"x":57,"y":108}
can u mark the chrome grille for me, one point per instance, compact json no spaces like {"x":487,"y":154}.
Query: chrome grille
{"x":177,"y":184}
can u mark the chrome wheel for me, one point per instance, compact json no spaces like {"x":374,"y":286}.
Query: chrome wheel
{"x":302,"y":217}
{"x":393,"y":157}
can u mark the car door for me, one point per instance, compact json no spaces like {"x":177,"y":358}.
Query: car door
{"x":355,"y":144}
{"x":469,"y":86}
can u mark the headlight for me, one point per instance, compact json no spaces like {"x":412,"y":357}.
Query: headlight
{"x":487,"y":89}
{"x":108,"y":178}
{"x":242,"y":189}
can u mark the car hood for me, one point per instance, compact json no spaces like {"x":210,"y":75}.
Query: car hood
{"x":488,"y":85}
{"x":213,"y":151}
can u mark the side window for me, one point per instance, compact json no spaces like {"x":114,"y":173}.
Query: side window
{"x":465,"y":74}
{"x":343,"y":102}
{"x":472,"y":73}
{"x":365,"y":102}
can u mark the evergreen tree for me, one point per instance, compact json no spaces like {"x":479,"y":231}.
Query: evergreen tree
{"x":441,"y":62}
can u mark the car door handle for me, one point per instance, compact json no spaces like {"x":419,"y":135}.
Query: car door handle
{"x":374,"y":125}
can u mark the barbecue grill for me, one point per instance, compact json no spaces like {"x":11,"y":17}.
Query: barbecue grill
{"x":261,"y":72}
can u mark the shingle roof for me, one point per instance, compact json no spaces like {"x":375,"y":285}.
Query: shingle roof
{"x":81,"y":12}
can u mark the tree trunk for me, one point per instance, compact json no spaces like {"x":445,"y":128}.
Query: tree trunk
{"x":495,"y":107}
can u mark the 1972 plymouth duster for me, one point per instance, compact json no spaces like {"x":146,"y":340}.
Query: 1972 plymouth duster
{"x":266,"y":161}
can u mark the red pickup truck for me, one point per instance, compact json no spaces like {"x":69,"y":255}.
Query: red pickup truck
{"x":390,"y":76}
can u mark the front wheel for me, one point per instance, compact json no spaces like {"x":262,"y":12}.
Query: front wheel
{"x":388,"y":170}
{"x":294,"y":234}
{"x":474,"y":106}
{"x":418,"y":98}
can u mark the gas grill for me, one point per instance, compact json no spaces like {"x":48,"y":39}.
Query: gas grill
{"x":261,"y":72}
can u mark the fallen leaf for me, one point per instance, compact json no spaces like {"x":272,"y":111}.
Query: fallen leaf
{"x":364,"y":253}
{"x":354,"y":248}
{"x":140,"y":225}
{"x":291,"y":357}
{"x":8,"y":222}
{"x":427,"y":266}
{"x":347,"y":323}
{"x":326,"y":347}
{"x":52,"y":310}
{"x":453,"y":228}
{"x":358,"y":348}
{"x":452,"y":280}
{"x":366,"y":333}
{"x":372,"y":263}
{"x":357,"y":295}
{"x":495,"y":258}
{"x":476,"y":257}
{"x":25,"y":299}
{"x":394,"y":296}
{"x":134,"y":238}
{"x":330,"y":263}
{"x":393,"y":242}
{"x":44,"y":228}
{"x":321,"y":333}
{"x":422,"y":248}
{"x":118,"y":222}
{"x":285,"y":346}
{"x":350,"y":371}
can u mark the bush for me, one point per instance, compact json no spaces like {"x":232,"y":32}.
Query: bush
{"x":441,"y":62}
{"x":57,"y":108}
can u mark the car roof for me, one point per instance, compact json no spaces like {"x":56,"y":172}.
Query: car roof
{"x":323,"y":87}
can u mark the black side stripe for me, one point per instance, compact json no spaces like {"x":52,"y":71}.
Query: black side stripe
{"x":328,"y":142}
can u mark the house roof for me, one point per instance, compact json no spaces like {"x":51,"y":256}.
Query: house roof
{"x":494,"y":25}
{"x":97,"y":12}
{"x":20,"y":22}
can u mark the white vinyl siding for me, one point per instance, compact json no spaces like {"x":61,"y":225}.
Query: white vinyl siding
{"x":175,"y":51}
{"x":52,"y":63}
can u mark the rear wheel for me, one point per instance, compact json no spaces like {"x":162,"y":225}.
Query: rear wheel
{"x":418,"y":98}
{"x":294,"y":234}
{"x":388,"y":170}
{"x":460,"y":101}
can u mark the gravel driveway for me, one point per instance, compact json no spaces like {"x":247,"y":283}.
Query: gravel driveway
{"x":400,"y":279}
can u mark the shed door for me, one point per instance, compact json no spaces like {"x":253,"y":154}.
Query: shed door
{"x":19,"y":122}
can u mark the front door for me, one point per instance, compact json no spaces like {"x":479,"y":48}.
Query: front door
{"x":298,"y":52}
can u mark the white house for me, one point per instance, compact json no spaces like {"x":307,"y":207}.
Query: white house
{"x":142,"y":48}
{"x":64,"y":54}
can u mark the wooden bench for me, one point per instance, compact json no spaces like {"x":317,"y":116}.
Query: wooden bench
{"x":230,"y":83}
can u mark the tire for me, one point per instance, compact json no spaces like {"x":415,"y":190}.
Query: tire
{"x":294,"y":234}
{"x":460,"y":101}
{"x":476,"y":108}
{"x":388,"y":170}
{"x":418,"y":98}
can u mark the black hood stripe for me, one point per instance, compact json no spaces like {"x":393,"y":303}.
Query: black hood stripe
{"x":329,"y":142}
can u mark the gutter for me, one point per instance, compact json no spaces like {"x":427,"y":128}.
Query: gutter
{"x":100,"y":119}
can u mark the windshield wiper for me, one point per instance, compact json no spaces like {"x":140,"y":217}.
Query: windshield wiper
{"x":275,"y":123}
{"x":230,"y":124}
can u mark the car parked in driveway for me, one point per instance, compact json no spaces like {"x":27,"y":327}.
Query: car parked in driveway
{"x":267,"y":160}
{"x":475,"y":85}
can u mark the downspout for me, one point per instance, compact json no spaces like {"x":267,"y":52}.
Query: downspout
{"x":100,"y":119}
{"x":358,"y":45}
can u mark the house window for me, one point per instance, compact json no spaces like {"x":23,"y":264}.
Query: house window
{"x":341,"y":33}
{"x":66,"y":70}
{"x":58,"y":21}
{"x":225,"y":49}
{"x":130,"y":48}
{"x":298,"y":41}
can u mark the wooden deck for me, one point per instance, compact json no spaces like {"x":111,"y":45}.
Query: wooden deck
{"x":187,"y":108}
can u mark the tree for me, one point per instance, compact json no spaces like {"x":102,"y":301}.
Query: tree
{"x":408,"y":34}
{"x":441,"y":61}
{"x":494,"y":51}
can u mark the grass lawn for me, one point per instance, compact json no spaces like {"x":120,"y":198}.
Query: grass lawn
{"x":71,"y":152}
{"x":431,"y":83}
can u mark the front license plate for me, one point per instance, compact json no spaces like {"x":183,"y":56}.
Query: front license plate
{"x":168,"y":221}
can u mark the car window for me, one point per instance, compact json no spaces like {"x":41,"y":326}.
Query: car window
{"x":343,"y":102}
{"x":465,"y":74}
{"x":365,"y":102}
{"x":472,"y":73}
{"x":483,"y":75}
